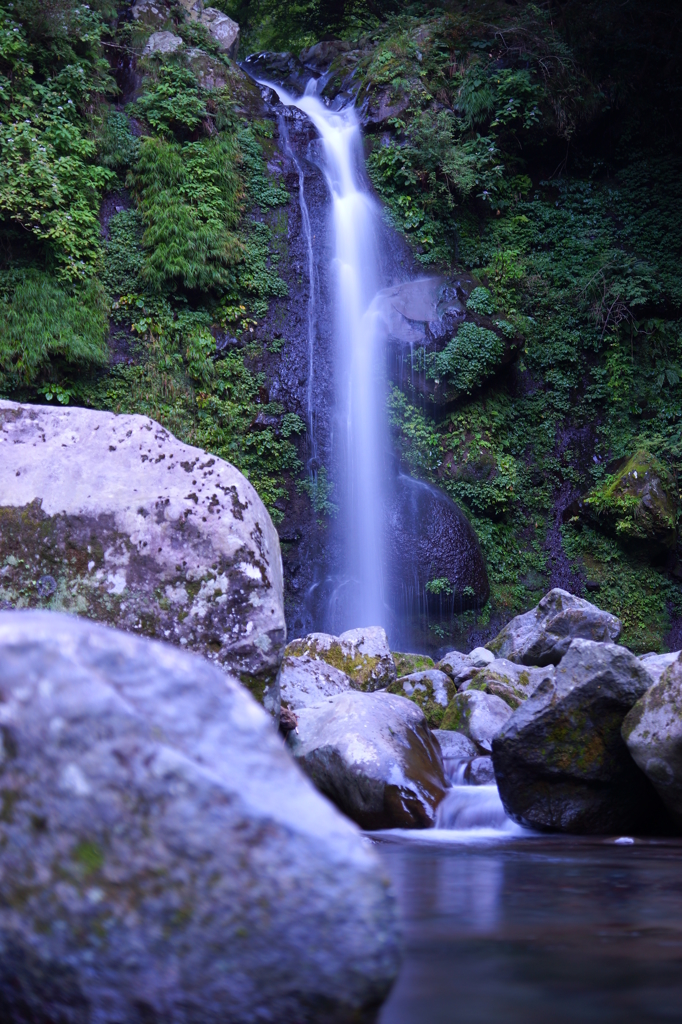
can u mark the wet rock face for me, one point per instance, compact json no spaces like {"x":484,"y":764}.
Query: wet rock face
{"x":560,"y":760}
{"x":428,"y":538}
{"x":111,"y":517}
{"x":153,"y":803}
{"x":653,"y":733}
{"x":479,"y":716}
{"x":543,"y":635}
{"x":374,"y":756}
{"x":513,"y":683}
{"x":430,"y":690}
{"x":363,"y":655}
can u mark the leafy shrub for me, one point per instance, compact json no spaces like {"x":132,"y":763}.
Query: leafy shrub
{"x":42,"y":321}
{"x":123,"y":253}
{"x":481,"y":301}
{"x":469,"y":358}
{"x":172,"y":102}
{"x":117,"y":147}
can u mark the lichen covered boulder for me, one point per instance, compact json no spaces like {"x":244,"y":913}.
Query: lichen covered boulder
{"x":164,"y":859}
{"x":560,"y":760}
{"x":653,"y":733}
{"x":479,"y":716}
{"x":656,"y":664}
{"x":543,"y":635}
{"x":430,"y":690}
{"x":508,"y":680}
{"x":113,"y":518}
{"x":374,"y":756}
{"x":361,"y":654}
{"x":458,"y":666}
{"x":307,"y":680}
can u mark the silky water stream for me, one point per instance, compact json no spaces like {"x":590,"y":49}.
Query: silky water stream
{"x":500,"y":924}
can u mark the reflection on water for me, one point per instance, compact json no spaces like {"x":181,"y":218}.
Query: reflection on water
{"x":536,"y":930}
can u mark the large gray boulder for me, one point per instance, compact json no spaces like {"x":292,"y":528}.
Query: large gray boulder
{"x":161,"y":42}
{"x":374,"y":756}
{"x":480,"y":716}
{"x":656,"y":664}
{"x":361,"y":654}
{"x":222,"y":29}
{"x":113,"y":518}
{"x":508,"y":680}
{"x":431,"y":690}
{"x":307,"y":680}
{"x":542,"y":635}
{"x":163,"y":857}
{"x":653,"y":733}
{"x":560,"y":760}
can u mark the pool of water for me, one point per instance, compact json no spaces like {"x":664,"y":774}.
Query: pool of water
{"x":506,"y":927}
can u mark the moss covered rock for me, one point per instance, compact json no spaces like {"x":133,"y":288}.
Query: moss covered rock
{"x":479,"y":716}
{"x":113,"y":518}
{"x":513,"y":683}
{"x":637,"y":502}
{"x":431,"y":690}
{"x":560,"y":760}
{"x":406,"y":664}
{"x":361,"y":654}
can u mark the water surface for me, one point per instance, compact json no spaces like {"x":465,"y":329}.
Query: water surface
{"x":535,"y":930}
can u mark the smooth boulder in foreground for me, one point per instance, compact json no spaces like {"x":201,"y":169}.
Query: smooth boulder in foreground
{"x":560,"y":761}
{"x":653,"y":733}
{"x":543,"y":635}
{"x":163,"y":857}
{"x":113,"y":518}
{"x":374,"y":756}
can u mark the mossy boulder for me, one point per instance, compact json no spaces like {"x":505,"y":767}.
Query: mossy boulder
{"x":430,"y":690}
{"x":113,"y":518}
{"x":361,"y":654}
{"x":637,"y":502}
{"x":513,"y":683}
{"x":161,"y":850}
{"x":560,"y":761}
{"x":653,"y":733}
{"x":406,"y":664}
{"x":478,"y":716}
{"x":543,"y":635}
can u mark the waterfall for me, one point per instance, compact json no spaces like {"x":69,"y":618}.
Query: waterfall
{"x":362,"y":441}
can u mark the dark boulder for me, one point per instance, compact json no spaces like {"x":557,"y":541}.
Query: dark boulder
{"x":560,"y":761}
{"x":429,"y":538}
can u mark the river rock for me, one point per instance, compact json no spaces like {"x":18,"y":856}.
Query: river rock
{"x":656,"y":664}
{"x":163,"y":857}
{"x":406,"y":664}
{"x":480,"y":772}
{"x":458,"y":666}
{"x":428,"y":538}
{"x":560,"y":760}
{"x":113,"y":518}
{"x":161,"y":42}
{"x":431,"y":690}
{"x":505,"y":679}
{"x":480,"y":657}
{"x":653,"y":733}
{"x":480,"y":716}
{"x":361,"y":654}
{"x":455,"y":746}
{"x":374,"y":756}
{"x":542,"y":635}
{"x":307,"y":680}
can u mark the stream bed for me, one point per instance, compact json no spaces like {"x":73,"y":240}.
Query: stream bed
{"x":528,"y":929}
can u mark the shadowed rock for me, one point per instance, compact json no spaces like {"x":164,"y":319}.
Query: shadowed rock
{"x":480,"y":716}
{"x":140,"y":531}
{"x":560,"y":760}
{"x":164,"y":859}
{"x":374,"y":756}
{"x":543,"y":635}
{"x":653,"y":733}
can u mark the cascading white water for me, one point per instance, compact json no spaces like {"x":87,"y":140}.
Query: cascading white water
{"x":361,"y":398}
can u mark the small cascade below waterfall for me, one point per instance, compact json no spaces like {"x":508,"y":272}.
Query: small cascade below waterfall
{"x":467,"y":807}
